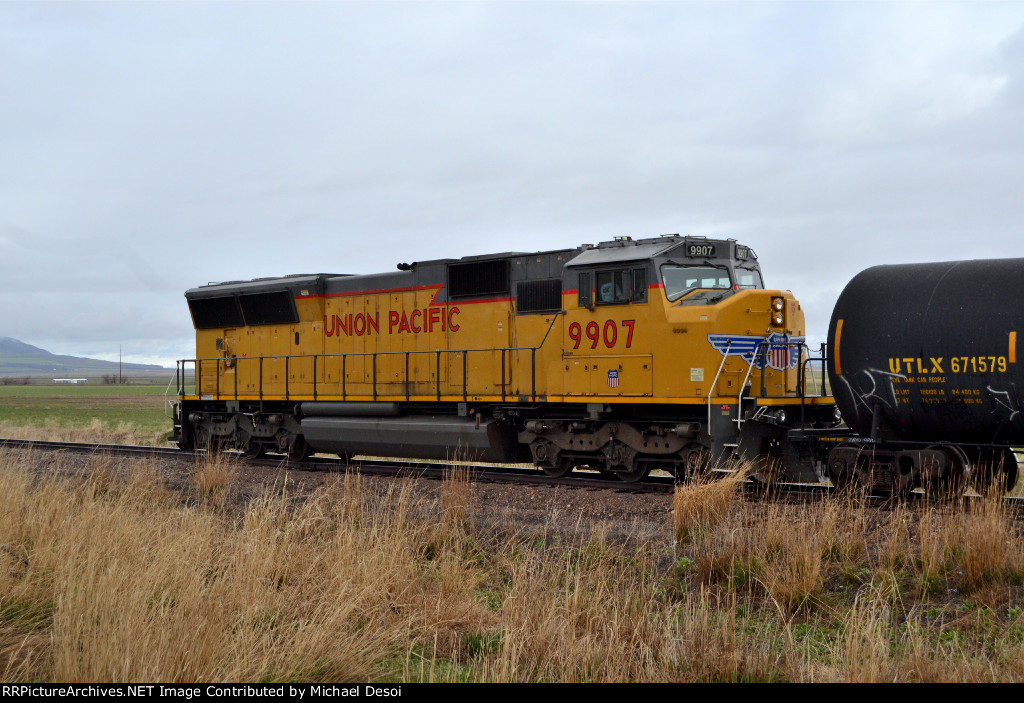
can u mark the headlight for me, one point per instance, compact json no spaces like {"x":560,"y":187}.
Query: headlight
{"x":778,"y":312}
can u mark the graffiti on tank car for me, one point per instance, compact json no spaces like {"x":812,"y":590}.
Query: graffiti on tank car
{"x":398,"y":322}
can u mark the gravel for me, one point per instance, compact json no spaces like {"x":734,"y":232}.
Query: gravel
{"x":617,"y":515}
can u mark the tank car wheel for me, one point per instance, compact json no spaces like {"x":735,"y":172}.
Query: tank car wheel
{"x":298,"y":450}
{"x":953,"y":481}
{"x":995,"y":470}
{"x":848,"y":469}
{"x":1011,"y":470}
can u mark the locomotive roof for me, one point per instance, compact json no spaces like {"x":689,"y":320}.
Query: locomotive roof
{"x":633,"y":251}
{"x":295,"y":281}
{"x":626,"y":249}
{"x":622,"y":249}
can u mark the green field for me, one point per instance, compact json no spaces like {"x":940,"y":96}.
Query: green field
{"x":140,"y":408}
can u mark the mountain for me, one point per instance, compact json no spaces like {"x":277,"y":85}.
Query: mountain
{"x":20,"y":359}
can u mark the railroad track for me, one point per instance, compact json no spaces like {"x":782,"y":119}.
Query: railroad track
{"x":380,"y":467}
{"x":476,"y":472}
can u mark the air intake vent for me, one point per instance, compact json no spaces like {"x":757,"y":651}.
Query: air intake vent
{"x":211,"y":313}
{"x":274,"y":308}
{"x":478,"y":278}
{"x":539,"y":296}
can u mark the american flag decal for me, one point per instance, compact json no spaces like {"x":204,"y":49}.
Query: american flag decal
{"x":778,"y":356}
{"x":780,"y":350}
{"x":613,"y":379}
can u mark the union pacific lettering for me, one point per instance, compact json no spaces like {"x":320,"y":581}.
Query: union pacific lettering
{"x":399,"y":322}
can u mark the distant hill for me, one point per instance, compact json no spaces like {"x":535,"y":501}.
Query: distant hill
{"x":20,"y":359}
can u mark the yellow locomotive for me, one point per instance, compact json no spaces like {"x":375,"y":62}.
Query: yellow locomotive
{"x":622,"y":357}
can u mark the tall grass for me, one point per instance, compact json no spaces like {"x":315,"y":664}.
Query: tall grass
{"x":95,"y":431}
{"x":120,"y":577}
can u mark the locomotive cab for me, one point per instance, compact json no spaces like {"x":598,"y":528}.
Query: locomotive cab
{"x":681,"y":330}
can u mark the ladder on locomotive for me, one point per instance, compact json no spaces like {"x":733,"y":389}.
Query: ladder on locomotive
{"x":761,"y":353}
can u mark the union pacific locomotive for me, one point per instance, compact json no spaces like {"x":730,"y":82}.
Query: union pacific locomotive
{"x":622,"y":357}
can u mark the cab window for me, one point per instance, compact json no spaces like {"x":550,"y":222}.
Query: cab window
{"x":621,"y":286}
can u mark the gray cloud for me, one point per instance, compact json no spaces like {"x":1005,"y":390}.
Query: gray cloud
{"x":147,"y":148}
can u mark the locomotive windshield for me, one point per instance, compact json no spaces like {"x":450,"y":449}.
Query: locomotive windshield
{"x":749,"y":278}
{"x":680,"y":280}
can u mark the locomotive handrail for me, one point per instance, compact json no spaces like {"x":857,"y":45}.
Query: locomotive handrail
{"x":711,"y":391}
{"x":739,"y":399}
{"x":237,"y":361}
{"x":803,"y":372}
{"x":761,"y":350}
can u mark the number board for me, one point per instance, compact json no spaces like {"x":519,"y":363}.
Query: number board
{"x":705,"y":251}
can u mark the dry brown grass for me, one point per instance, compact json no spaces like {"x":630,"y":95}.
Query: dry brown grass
{"x":119,"y":578}
{"x":95,"y":432}
{"x":457,"y":497}
{"x":703,"y":503}
{"x":975,"y":542}
{"x":213,"y":475}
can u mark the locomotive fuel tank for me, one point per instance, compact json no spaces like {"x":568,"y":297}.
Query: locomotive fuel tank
{"x":928,"y":352}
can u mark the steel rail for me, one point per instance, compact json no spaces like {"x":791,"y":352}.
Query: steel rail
{"x":493,"y":473}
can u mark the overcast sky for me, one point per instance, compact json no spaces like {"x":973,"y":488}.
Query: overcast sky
{"x":149,"y":148}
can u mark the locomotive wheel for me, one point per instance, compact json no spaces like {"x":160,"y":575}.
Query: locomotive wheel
{"x":564,"y":468}
{"x":298,"y":450}
{"x":249,"y":445}
{"x":633,"y":476}
{"x":187,"y":441}
{"x":601,"y":470}
{"x":254,"y":449}
{"x":622,"y":460}
{"x":201,"y":439}
{"x":696,"y":461}
{"x":637,"y":473}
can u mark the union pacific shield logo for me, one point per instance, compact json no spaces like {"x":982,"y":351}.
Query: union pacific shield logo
{"x":780,"y":350}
